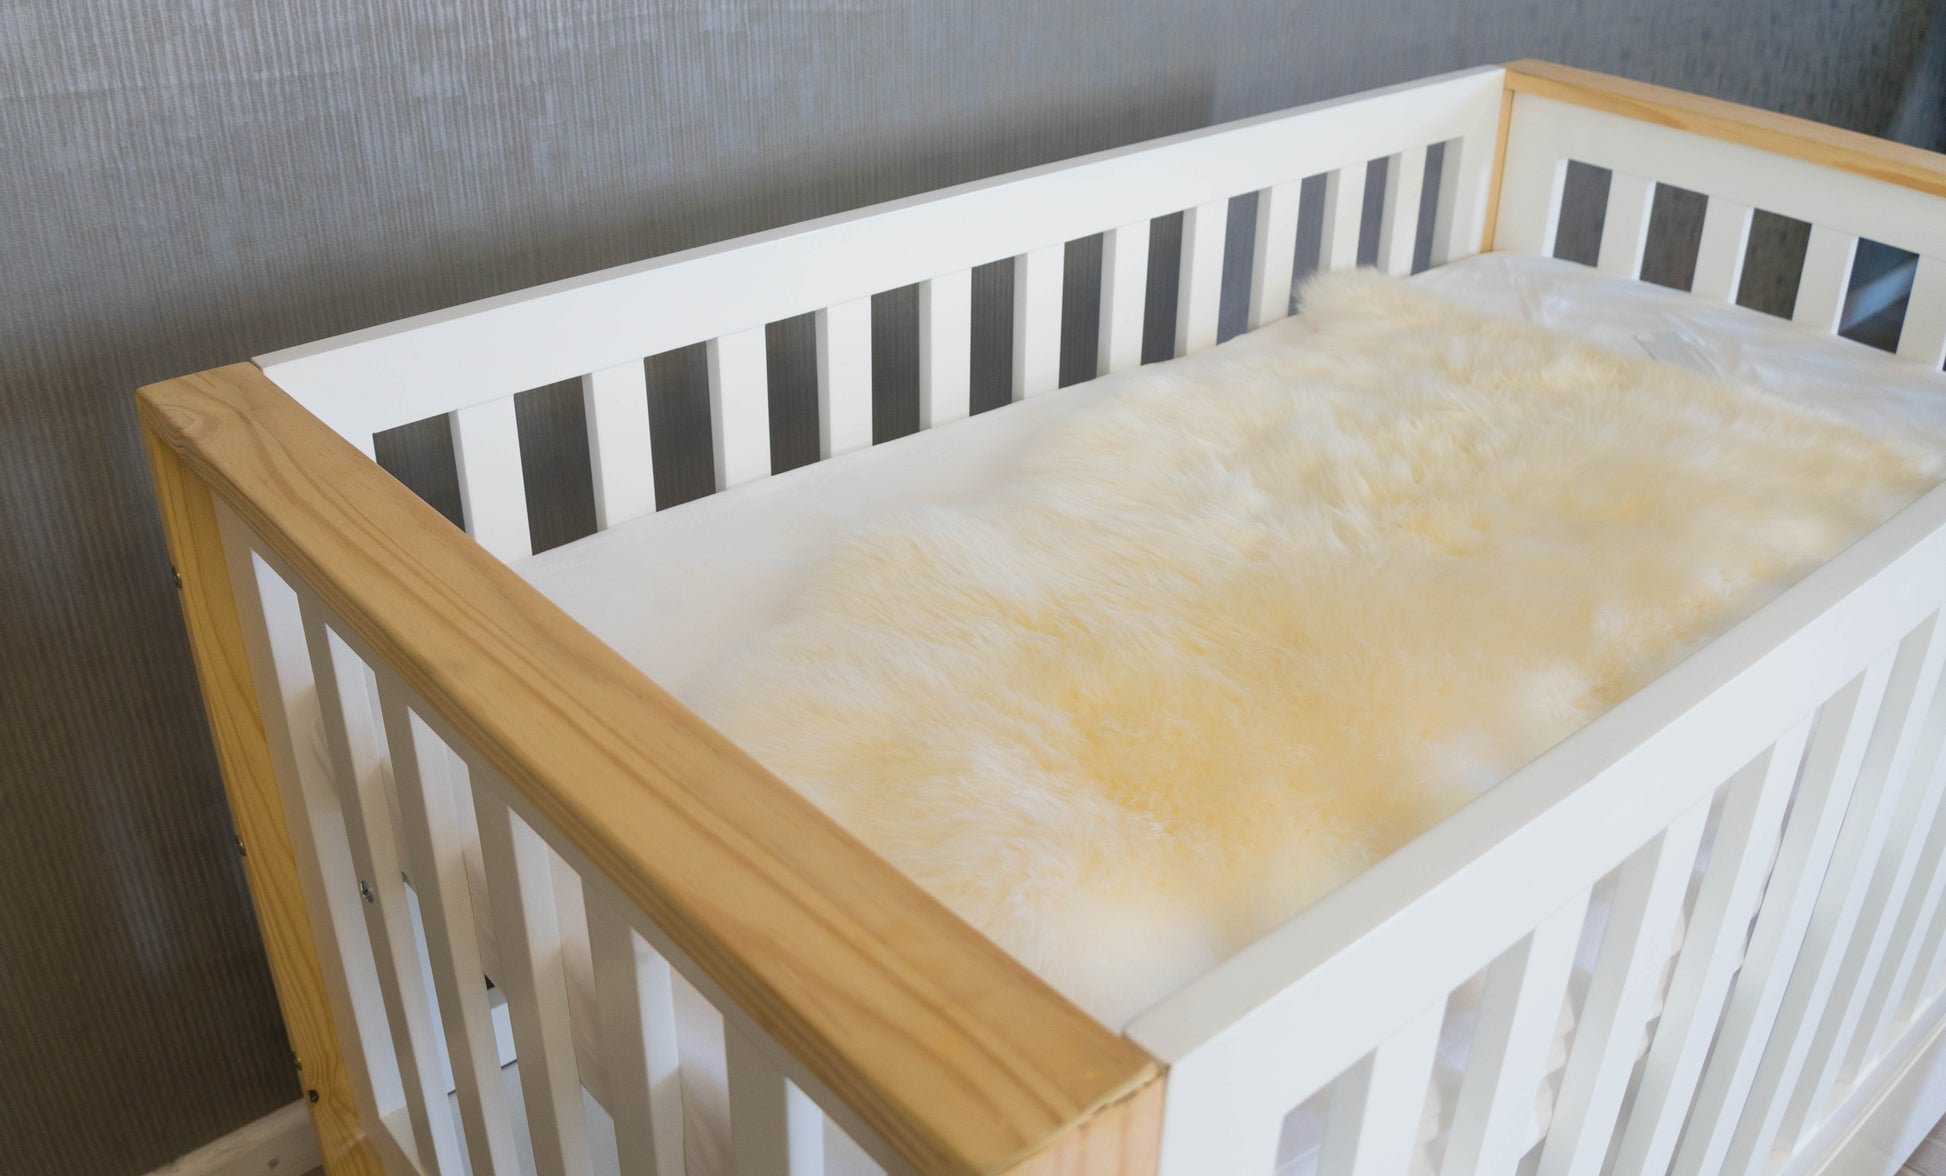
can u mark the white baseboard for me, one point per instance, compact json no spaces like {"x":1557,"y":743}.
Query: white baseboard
{"x":281,"y":1143}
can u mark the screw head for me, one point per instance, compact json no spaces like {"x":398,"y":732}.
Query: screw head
{"x":365,"y":890}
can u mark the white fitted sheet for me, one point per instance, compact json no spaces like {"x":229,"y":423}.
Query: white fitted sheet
{"x":677,"y":590}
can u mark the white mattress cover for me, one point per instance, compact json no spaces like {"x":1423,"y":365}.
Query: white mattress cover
{"x":676,"y":590}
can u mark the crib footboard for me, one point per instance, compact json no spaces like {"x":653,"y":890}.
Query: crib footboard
{"x":619,"y":840}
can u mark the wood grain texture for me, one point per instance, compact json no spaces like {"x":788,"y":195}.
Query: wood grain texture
{"x":1880,"y":159}
{"x":230,"y":702}
{"x":957,"y":1056}
{"x":1121,"y":1139}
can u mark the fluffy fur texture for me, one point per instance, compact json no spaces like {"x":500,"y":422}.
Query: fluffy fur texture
{"x":1263,"y":615}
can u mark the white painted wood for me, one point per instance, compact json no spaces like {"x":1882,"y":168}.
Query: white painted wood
{"x":1866,"y":882}
{"x":1376,"y":1105}
{"x":739,"y":406}
{"x":1880,"y":1122}
{"x":1037,"y":320}
{"x":280,"y":674}
{"x":352,"y":741}
{"x":638,"y":1029}
{"x":1459,"y":220}
{"x":1825,"y":279}
{"x":282,"y":1143}
{"x":1740,"y":858}
{"x":1398,"y":226}
{"x":1634,"y":951}
{"x":1351,"y":967}
{"x":1508,"y":1055}
{"x":486,"y":446}
{"x":1344,"y":214}
{"x":1923,"y":337}
{"x":1199,"y":292}
{"x":436,"y":865}
{"x":945,"y":348}
{"x":532,"y":974}
{"x":1831,"y":770}
{"x":420,"y":367}
{"x":616,"y":402}
{"x":1275,"y":261}
{"x":844,"y":334}
{"x":774,"y":1129}
{"x":1625,"y":226}
{"x":1544,"y":132}
{"x":1720,"y":253}
{"x":1124,"y":294}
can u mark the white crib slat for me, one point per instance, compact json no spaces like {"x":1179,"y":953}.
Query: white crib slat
{"x":1344,"y":213}
{"x":1740,"y":857}
{"x":1860,"y":888}
{"x":1124,"y":294}
{"x":1634,"y":951}
{"x":775,"y":1129}
{"x":1199,"y":295}
{"x":616,"y":402}
{"x":1918,"y":914}
{"x":844,"y":377}
{"x":945,"y":348}
{"x":1037,"y":320}
{"x":1456,"y":216}
{"x":531,"y":973}
{"x":638,"y":1030}
{"x":1625,"y":227}
{"x":1923,"y":337}
{"x":1831,"y":767}
{"x":1825,"y":279}
{"x":1720,"y":253}
{"x":1375,"y":1108}
{"x":1398,"y":226}
{"x":436,"y":865}
{"x":1505,"y":1063}
{"x":486,"y":444}
{"x":352,"y":744}
{"x":739,"y":407}
{"x":1276,"y":253}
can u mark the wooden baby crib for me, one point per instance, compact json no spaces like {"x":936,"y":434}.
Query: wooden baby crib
{"x":618,"y":837}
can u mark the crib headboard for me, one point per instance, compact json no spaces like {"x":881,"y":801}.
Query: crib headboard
{"x":470,"y":361}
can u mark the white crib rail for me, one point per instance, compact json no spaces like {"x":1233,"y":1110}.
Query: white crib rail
{"x":467,"y":363}
{"x":1848,"y":662}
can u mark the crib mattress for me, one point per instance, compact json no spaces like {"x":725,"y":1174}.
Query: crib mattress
{"x":676,"y":591}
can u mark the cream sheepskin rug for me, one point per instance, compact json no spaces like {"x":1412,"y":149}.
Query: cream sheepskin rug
{"x":1261,"y":616}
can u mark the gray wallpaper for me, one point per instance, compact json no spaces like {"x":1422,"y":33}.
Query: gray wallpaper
{"x":187,"y":183}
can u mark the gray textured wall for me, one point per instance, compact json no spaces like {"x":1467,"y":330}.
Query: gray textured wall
{"x":189,"y":183}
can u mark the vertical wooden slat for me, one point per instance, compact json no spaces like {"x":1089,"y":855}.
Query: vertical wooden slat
{"x":616,"y":401}
{"x":1344,"y":213}
{"x":1720,"y":253}
{"x":1825,"y":279}
{"x":351,"y":741}
{"x":1831,"y":767}
{"x":844,"y":335}
{"x":1037,"y":320}
{"x":1199,"y":292}
{"x":531,"y":972}
{"x":1846,"y":941}
{"x":1625,"y":226}
{"x":1634,"y":951}
{"x":1276,"y":253}
{"x":1398,"y":226}
{"x":1376,"y":1106}
{"x":1740,"y":858}
{"x":1923,"y":337}
{"x":945,"y":348}
{"x":1505,"y":1063}
{"x":1124,"y":291}
{"x":216,"y":641}
{"x":775,"y":1130}
{"x":486,"y":445}
{"x":634,"y":993}
{"x":739,"y":406}
{"x":1456,"y":217}
{"x":436,"y":866}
